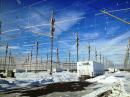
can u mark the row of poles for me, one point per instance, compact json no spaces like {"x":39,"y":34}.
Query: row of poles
{"x":101,"y":57}
{"x":57,"y":50}
{"x":52,"y":22}
{"x":8,"y":61}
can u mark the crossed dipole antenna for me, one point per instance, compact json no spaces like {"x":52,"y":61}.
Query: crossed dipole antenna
{"x":118,"y":18}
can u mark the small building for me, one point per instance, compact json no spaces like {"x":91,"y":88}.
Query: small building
{"x":112,"y":70}
{"x":89,"y":68}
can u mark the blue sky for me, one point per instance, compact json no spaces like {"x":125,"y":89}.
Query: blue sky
{"x":26,"y":21}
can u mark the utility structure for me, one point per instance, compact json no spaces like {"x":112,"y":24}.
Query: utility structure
{"x":95,"y":54}
{"x":36,"y":67}
{"x":13,"y":61}
{"x":52,"y":36}
{"x":58,"y":60}
{"x":127,"y":57}
{"x":41,"y":64}
{"x":103,"y":60}
{"x":69,"y":60}
{"x":77,"y":45}
{"x":30,"y":59}
{"x":100,"y":58}
{"x":120,"y":19}
{"x":89,"y":51}
{"x":10,"y":58}
{"x":47,"y":61}
{"x":6,"y":53}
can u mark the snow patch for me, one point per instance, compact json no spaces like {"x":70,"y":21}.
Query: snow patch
{"x":114,"y":81}
{"x":30,"y":79}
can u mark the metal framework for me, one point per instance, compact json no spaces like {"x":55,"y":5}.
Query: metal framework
{"x":77,"y":45}
{"x":127,"y":57}
{"x":52,"y":37}
{"x":120,"y":19}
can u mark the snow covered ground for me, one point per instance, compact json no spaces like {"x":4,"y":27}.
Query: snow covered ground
{"x":30,"y":79}
{"x":118,"y":82}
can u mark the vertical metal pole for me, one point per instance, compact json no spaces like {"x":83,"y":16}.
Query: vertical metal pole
{"x":106,"y":64}
{"x":103,"y":60}
{"x":30,"y":60}
{"x":89,"y":52}
{"x":77,"y":41}
{"x":10,"y":63}
{"x":95,"y":54}
{"x":100,"y":58}
{"x":69,"y":60}
{"x":52,"y":35}
{"x":13,"y":61}
{"x":47,"y":61}
{"x":41,"y":63}
{"x":127,"y":57}
{"x":36,"y":56}
{"x":6,"y":52}
{"x":58,"y":62}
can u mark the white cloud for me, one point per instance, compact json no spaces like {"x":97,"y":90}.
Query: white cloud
{"x":90,"y":35}
{"x":69,"y":18}
{"x":116,"y":41}
{"x":112,"y":30}
{"x":14,"y":47}
{"x":112,"y":48}
{"x":10,"y":47}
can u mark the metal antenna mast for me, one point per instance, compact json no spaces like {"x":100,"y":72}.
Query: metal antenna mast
{"x":41,"y":63}
{"x":95,"y":54}
{"x":100,"y":57}
{"x":69,"y":56}
{"x":77,"y":45}
{"x":103,"y":60}
{"x":30,"y":60}
{"x":127,"y":57}
{"x":58,"y":61}
{"x":6,"y":52}
{"x":9,"y":59}
{"x":69,"y":59}
{"x":46,"y":60}
{"x":36,"y":56}
{"x":52,"y":36}
{"x":89,"y":52}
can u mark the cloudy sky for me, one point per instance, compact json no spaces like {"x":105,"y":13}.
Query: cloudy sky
{"x":26,"y":21}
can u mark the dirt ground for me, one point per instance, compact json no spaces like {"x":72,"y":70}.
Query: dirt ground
{"x":66,"y":89}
